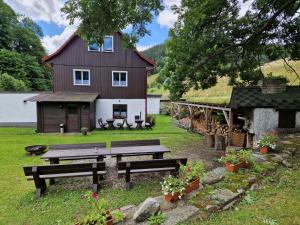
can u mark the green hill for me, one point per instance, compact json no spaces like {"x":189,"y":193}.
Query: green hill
{"x":222,"y":91}
{"x":157,"y":53}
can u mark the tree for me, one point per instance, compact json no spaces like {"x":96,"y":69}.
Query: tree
{"x":101,"y":17}
{"x":211,"y":39}
{"x":8,"y":83}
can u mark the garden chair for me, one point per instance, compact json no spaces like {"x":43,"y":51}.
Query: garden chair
{"x":102,"y":124}
{"x":121,"y":125}
{"x":129,"y":125}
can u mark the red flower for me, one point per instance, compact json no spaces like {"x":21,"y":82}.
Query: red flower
{"x":274,"y":132}
{"x":94,"y":196}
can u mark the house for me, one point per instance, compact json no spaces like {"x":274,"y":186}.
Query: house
{"x":91,"y":82}
{"x":270,"y":106}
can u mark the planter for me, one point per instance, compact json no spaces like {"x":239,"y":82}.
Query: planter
{"x":210,"y":140}
{"x":238,"y":139}
{"x":233,"y":168}
{"x":192,"y":186}
{"x":220,"y":142}
{"x":36,"y":149}
{"x":84,"y":133}
{"x":172,"y":198}
{"x":109,"y":220}
{"x":264,"y":150}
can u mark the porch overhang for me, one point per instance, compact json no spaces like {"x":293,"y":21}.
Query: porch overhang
{"x":64,"y":97}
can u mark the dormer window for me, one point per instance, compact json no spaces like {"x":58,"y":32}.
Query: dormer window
{"x":94,"y":48}
{"x":119,"y":78}
{"x":81,"y":77}
{"x":108,"y":44}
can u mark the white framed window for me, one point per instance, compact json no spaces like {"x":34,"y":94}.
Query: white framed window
{"x":108,"y":44}
{"x":119,"y":78}
{"x":94,"y":47}
{"x":81,"y":77}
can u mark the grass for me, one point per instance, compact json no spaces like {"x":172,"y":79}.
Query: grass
{"x":63,"y":203}
{"x":221,"y":92}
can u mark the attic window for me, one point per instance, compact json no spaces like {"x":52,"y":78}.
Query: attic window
{"x":119,"y":78}
{"x":81,"y":77}
{"x":108,"y":44}
{"x":94,"y":47}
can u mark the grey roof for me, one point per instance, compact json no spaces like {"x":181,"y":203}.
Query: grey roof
{"x":64,"y":97}
{"x":252,"y":97}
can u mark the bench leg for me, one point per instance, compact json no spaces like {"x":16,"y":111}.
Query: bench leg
{"x":95,"y":179}
{"x":53,"y":161}
{"x":119,"y":158}
{"x":95,"y":188}
{"x":127,"y":179}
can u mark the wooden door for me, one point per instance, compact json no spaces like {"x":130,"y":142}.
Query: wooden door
{"x":73,"y":118}
{"x":287,"y":119}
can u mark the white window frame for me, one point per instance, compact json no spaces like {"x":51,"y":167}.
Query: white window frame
{"x":112,"y":43}
{"x":81,"y":70}
{"x":91,"y":50}
{"x":112,"y":78}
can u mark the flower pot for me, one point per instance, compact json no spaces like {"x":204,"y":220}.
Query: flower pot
{"x":109,"y":220}
{"x":192,"y":186}
{"x":172,"y":198}
{"x":233,"y":168}
{"x":210,"y":140}
{"x":264,"y":150}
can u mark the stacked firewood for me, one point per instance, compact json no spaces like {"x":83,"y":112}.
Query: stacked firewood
{"x":221,"y":129}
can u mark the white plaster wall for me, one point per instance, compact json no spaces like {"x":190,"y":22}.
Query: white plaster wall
{"x":13,"y":109}
{"x":298,"y":119}
{"x":104,"y":108}
{"x":153,"y":105}
{"x":264,"y":120}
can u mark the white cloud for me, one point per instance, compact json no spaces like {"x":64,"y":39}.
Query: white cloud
{"x":40,"y":10}
{"x":141,"y":48}
{"x":245,"y":6}
{"x":167,"y":17}
{"x":52,"y":43}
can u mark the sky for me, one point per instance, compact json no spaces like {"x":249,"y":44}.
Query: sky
{"x":47,"y":14}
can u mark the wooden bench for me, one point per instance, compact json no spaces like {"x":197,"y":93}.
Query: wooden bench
{"x":149,"y":166}
{"x":77,"y":147}
{"x":40,"y":173}
{"x":135,"y":143}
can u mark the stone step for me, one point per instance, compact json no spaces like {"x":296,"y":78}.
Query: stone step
{"x":181,"y":214}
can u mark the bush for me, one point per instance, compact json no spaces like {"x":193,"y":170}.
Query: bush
{"x":165,"y":109}
{"x":156,"y":219}
{"x":8,"y":83}
{"x":151,"y":120}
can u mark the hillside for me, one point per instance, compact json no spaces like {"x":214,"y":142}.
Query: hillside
{"x":157,"y":53}
{"x":221,"y":92}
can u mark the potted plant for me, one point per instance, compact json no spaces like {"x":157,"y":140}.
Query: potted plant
{"x":191,"y":174}
{"x":99,"y":213}
{"x":117,"y":216}
{"x":233,"y":162}
{"x":173,"y":188}
{"x":267,"y":142}
{"x":84,"y":130}
{"x":246,"y":156}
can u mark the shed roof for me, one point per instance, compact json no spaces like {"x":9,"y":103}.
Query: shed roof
{"x":64,"y":97}
{"x":252,"y":97}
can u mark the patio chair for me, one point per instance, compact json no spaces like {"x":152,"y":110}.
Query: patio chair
{"x":102,"y":124}
{"x":129,"y":125}
{"x":121,"y":125}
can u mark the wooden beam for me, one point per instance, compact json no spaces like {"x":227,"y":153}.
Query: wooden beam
{"x":230,"y":127}
{"x":226,"y":117}
{"x":228,"y":109}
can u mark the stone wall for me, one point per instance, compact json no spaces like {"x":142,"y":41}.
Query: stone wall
{"x":264,"y":120}
{"x":298,"y":119}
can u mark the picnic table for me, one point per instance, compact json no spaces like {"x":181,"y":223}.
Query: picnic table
{"x":139,"y":124}
{"x":110,"y":123}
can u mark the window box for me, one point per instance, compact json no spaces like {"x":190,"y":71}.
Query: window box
{"x":81,"y":77}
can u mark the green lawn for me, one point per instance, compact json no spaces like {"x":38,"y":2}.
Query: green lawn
{"x":59,"y":205}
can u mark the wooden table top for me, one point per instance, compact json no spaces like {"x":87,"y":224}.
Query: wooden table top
{"x":103,"y":151}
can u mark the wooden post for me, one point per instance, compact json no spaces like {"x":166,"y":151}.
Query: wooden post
{"x":127,"y":176}
{"x":230,"y":127}
{"x":191,"y":111}
{"x":178,"y":111}
{"x":95,"y":178}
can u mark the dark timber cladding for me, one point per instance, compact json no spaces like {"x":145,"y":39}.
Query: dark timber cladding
{"x":75,"y":55}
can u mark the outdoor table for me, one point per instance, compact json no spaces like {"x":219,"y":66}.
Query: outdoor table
{"x":110,"y":123}
{"x":74,"y":154}
{"x":139,"y":124}
{"x":156,"y":150}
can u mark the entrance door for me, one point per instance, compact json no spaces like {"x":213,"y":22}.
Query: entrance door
{"x":73,"y":119}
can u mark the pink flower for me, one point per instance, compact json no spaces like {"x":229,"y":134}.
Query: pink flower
{"x":274,"y":132}
{"x":94,"y":196}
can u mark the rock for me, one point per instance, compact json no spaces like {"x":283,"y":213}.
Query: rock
{"x":148,"y":208}
{"x":287,"y":142}
{"x":214,"y":176}
{"x":233,"y":149}
{"x":254,"y":187}
{"x":259,"y":157}
{"x":212,"y":208}
{"x":286,"y":164}
{"x":285,"y":155}
{"x":164,"y":205}
{"x":128,"y":211}
{"x":241,"y":191}
{"x":252,"y":180}
{"x":224,"y":196}
{"x":230,"y":205}
{"x":275,"y":158}
{"x":292,"y":150}
{"x":181,"y":214}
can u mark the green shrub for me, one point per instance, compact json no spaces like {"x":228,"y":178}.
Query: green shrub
{"x":157,"y":219}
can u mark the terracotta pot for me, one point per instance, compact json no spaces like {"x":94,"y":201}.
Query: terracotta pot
{"x":192,"y":186}
{"x":264,"y":150}
{"x":109,"y":220}
{"x":172,"y":198}
{"x":233,"y":168}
